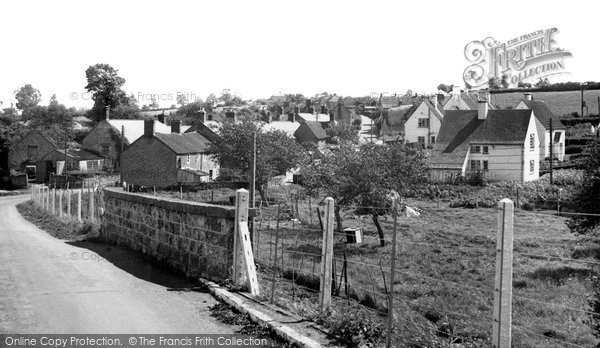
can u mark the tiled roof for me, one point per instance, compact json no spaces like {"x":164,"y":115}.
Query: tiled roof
{"x":306,"y":117}
{"x":462,"y":127}
{"x":307,"y":130}
{"x":544,"y":114}
{"x":284,"y":126}
{"x":79,"y":155}
{"x":184,"y":143}
{"x":135,"y":128}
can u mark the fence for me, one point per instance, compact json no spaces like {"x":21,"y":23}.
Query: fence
{"x":436,"y":281}
{"x":82,"y":204}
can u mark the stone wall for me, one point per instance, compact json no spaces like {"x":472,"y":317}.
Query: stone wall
{"x":194,"y":238}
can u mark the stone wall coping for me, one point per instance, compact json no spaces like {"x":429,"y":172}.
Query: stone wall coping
{"x":173,"y":203}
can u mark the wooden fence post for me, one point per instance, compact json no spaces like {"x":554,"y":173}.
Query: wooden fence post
{"x":91,"y":207}
{"x":501,"y":327}
{"x":241,"y":215}
{"x":69,"y":194}
{"x":326,"y":256}
{"x":392,"y":275}
{"x":33,"y":193}
{"x":53,"y":207}
{"x":79,"y":193}
{"x":60,"y":202}
{"x":47,"y":198}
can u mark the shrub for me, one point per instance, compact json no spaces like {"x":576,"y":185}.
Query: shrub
{"x":357,"y":329}
{"x":527,"y":206}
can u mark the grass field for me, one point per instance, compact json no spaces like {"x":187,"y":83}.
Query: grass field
{"x":561,"y":103}
{"x":444,"y":282}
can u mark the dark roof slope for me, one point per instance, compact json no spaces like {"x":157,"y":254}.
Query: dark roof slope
{"x":184,"y":143}
{"x":310,"y":130}
{"x":544,"y":114}
{"x":462,"y":127}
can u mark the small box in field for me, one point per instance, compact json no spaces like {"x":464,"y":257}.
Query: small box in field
{"x":353,"y":235}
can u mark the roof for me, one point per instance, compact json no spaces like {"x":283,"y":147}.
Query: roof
{"x":184,"y":143}
{"x":79,"y":155}
{"x":313,"y":118}
{"x":437,"y":112}
{"x":135,"y":128}
{"x":310,"y":130}
{"x":284,"y":126}
{"x":462,"y":127}
{"x":207,"y":129}
{"x":544,"y":114}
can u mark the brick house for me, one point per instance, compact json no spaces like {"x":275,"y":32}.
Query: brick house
{"x":500,"y":144}
{"x":167,"y":160}
{"x":310,"y":132}
{"x":109,"y":137}
{"x":28,"y":153}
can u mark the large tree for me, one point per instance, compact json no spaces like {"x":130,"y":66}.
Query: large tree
{"x":105,"y":85}
{"x":276,"y":152}
{"x":586,"y":198}
{"x":27,"y":97}
{"x":362,"y":177}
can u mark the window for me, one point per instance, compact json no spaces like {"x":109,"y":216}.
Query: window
{"x":421,"y":140}
{"x":532,"y":166}
{"x":188,"y":159}
{"x":32,"y":153}
{"x":433,"y":139}
{"x":210,"y":173}
{"x":89,"y":165}
{"x":423,"y":122}
{"x":475,"y":148}
{"x":485,"y":165}
{"x":179,"y":162}
{"x":485,"y":149}
{"x":475,"y":165}
{"x":105,"y":149}
{"x":531,"y":141}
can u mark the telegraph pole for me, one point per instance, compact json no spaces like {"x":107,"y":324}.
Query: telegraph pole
{"x":253,"y":186}
{"x":551,"y":151}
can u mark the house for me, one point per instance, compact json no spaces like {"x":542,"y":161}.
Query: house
{"x":110,"y":137}
{"x":28,"y":153}
{"x":78,"y":162}
{"x":167,"y":160}
{"x":543,"y":117}
{"x":390,"y":125}
{"x":310,"y":132}
{"x":459,"y":100}
{"x":422,"y":123}
{"x":501,"y":144}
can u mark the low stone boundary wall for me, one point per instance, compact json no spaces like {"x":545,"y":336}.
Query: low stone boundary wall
{"x":195,"y":238}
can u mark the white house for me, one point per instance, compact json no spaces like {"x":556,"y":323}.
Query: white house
{"x":543,"y":117}
{"x":423,"y":124}
{"x":501,"y":144}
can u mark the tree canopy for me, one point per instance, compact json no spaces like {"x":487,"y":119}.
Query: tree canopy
{"x":27,"y":97}
{"x":588,"y":192}
{"x":105,"y":85}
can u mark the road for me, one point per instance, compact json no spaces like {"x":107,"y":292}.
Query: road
{"x":50,"y":286}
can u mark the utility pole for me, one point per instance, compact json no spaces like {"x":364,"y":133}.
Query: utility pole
{"x":551,"y":152}
{"x":582,"y":86}
{"x":253,"y":186}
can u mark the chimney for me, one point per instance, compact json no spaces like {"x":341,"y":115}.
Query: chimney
{"x":434,"y":100}
{"x":176,"y":126}
{"x":331,"y":119}
{"x":107,"y":113}
{"x":202,"y":116}
{"x":161,"y":118}
{"x":149,"y":128}
{"x":339,"y":109}
{"x":482,"y":109}
{"x":323,"y":109}
{"x":528,"y":96}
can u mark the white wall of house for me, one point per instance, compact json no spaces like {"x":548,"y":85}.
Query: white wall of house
{"x":412,"y":130}
{"x":202,"y":162}
{"x":558,"y":149}
{"x":508,"y":162}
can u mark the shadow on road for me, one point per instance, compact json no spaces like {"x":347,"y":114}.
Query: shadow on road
{"x":141,"y":266}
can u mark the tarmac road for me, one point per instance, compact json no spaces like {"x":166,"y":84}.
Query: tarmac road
{"x":50,"y":286}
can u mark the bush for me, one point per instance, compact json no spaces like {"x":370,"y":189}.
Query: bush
{"x":571,"y":149}
{"x":356,"y":329}
{"x":528,"y":206}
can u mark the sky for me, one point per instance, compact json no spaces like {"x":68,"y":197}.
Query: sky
{"x":262,"y":48}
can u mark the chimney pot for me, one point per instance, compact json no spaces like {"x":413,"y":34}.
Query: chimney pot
{"x":482,"y":109}
{"x":176,"y":126}
{"x":162,"y":119}
{"x":149,"y":128}
{"x":202,"y":115}
{"x":107,"y":113}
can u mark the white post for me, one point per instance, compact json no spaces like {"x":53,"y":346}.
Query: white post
{"x":79,"y":193}
{"x":501,"y":327}
{"x":69,"y":194}
{"x":241,"y":215}
{"x":326,"y":256}
{"x":53,"y":207}
{"x":91,"y":207}
{"x":47,"y":197}
{"x":60,"y":202}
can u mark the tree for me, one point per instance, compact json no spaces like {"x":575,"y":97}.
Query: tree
{"x":154,"y":103}
{"x":27,"y":97}
{"x":53,"y":100}
{"x":342,"y":132}
{"x":364,"y":176}
{"x":276,"y":152}
{"x":181,"y":99}
{"x":211,"y":100}
{"x":230,"y":99}
{"x":105,"y":85}
{"x":445,"y":88}
{"x":586,"y":198}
